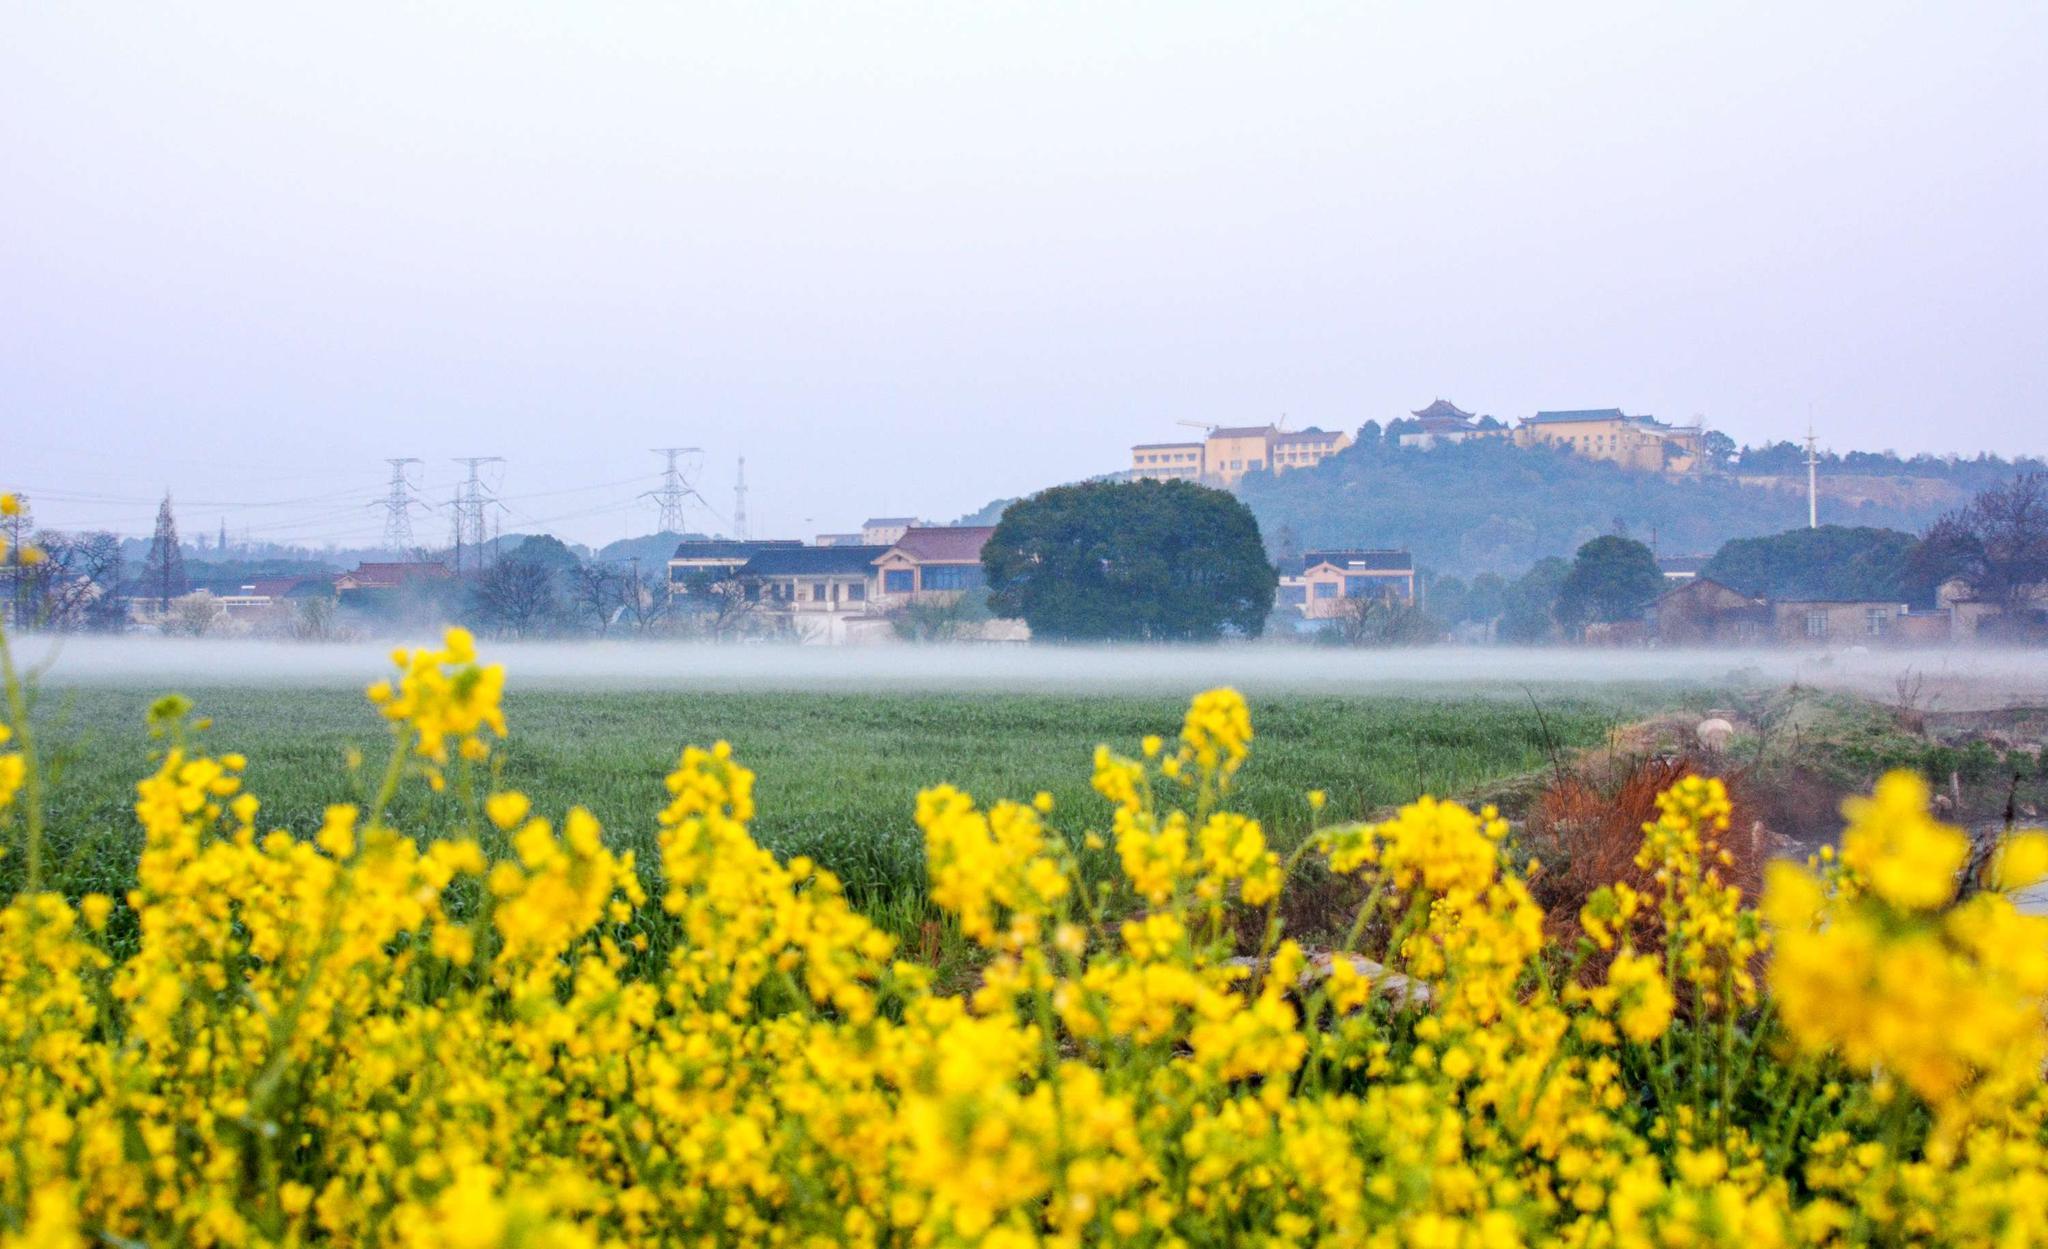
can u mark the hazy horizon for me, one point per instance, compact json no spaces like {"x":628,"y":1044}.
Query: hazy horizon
{"x":909,"y":260}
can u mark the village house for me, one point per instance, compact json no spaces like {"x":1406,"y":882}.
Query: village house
{"x":700,"y":561}
{"x":1328,"y":578}
{"x":1846,"y":622}
{"x":1643,"y":443}
{"x":1703,"y":612}
{"x":1700,"y":611}
{"x":1230,"y":452}
{"x":809,"y":579}
{"x":931,"y":559}
{"x":379,"y":586}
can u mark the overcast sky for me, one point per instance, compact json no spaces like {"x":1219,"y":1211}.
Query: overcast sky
{"x":909,"y":259}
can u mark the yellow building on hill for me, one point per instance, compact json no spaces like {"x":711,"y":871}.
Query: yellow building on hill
{"x":1231,"y":451}
{"x":1639,"y":442}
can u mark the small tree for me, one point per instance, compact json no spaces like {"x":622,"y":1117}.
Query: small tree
{"x":1528,"y":604}
{"x":939,"y":618}
{"x":1380,"y":620}
{"x":1998,"y":544}
{"x":1141,"y":560}
{"x":1612,"y":578}
{"x":75,"y":585}
{"x":597,"y":593}
{"x":163,"y":572}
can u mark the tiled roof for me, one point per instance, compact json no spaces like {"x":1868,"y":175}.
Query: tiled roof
{"x":956,"y":544}
{"x":376,"y":575}
{"x":1311,"y":434}
{"x":728,"y":548}
{"x":1242,"y":431}
{"x":1578,"y":414}
{"x":1167,"y":446}
{"x":880,"y":522}
{"x":1378,"y":561}
{"x":811,"y":561}
{"x":1442,"y":409}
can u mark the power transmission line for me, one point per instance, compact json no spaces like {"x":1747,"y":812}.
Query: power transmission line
{"x":739,"y":502}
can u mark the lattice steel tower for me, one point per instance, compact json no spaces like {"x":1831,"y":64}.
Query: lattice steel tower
{"x":398,"y":505}
{"x":472,"y":501}
{"x":675,"y":491}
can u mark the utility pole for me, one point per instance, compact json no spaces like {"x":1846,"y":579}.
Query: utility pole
{"x":675,"y":491}
{"x":398,"y":505}
{"x":470,"y":505}
{"x":739,"y":503}
{"x":1812,"y":482}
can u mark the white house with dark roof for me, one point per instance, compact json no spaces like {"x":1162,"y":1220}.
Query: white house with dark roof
{"x":1325,"y":579}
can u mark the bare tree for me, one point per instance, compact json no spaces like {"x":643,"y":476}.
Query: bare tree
{"x":516,"y":597}
{"x":75,"y":585}
{"x":1998,"y":545}
{"x":1381,"y":620}
{"x":597,"y":593}
{"x":646,"y":602}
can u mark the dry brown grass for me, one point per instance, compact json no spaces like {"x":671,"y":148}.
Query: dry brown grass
{"x":1586,"y":829}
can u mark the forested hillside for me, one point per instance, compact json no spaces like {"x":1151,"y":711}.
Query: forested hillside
{"x":1489,"y":506}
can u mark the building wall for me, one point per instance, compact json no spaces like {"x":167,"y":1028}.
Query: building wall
{"x":1288,"y":453}
{"x":1619,"y":442}
{"x":1320,"y":591}
{"x":1228,"y":459}
{"x":884,"y":532}
{"x":1837,"y":624}
{"x":1174,"y":461}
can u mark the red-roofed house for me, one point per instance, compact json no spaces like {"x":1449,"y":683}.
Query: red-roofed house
{"x":929,"y":560}
{"x":370,"y":583}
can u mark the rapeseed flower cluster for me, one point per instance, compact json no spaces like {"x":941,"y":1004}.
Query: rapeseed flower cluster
{"x":369,"y":1037}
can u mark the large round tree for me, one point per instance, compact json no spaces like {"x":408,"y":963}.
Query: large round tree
{"x":1612,"y":578}
{"x":1130,"y":561}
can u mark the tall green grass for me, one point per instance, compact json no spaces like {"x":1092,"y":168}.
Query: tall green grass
{"x":839,"y":771}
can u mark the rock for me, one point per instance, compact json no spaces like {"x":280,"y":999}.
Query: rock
{"x":1392,"y":985}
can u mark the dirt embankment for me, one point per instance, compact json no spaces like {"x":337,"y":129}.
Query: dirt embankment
{"x":1899,"y":492}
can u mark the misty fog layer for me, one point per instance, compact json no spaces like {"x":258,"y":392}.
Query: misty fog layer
{"x":1960,"y":679}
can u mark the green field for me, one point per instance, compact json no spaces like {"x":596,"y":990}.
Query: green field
{"x":839,"y":771}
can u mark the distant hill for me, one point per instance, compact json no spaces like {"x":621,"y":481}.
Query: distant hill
{"x":1488,"y":506}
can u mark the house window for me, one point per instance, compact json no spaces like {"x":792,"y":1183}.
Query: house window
{"x":857,"y":592}
{"x":898,"y":581}
{"x":952,"y":576}
{"x":1874,"y":619}
{"x":1816,"y":624}
{"x":1326,"y":589}
{"x":817,"y":591}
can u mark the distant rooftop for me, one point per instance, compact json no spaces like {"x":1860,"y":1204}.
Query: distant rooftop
{"x":950,"y":544}
{"x":1442,"y":409}
{"x":728,"y":548}
{"x":1576,"y":414}
{"x":1167,"y":446}
{"x":1376,"y":560}
{"x":1311,"y":434}
{"x":1241,"y":431}
{"x":811,"y":561}
{"x":881,"y":522}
